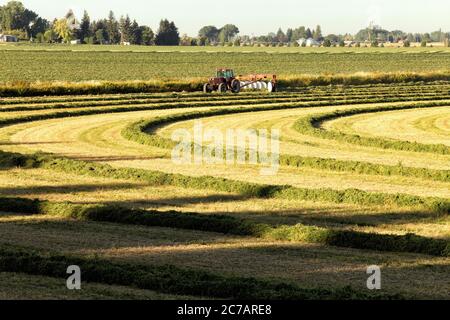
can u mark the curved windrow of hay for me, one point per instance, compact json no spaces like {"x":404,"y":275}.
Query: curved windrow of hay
{"x":108,"y":159}
{"x":430,"y":126}
{"x":99,"y":138}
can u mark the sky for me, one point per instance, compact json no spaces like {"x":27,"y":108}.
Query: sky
{"x":257,"y":17}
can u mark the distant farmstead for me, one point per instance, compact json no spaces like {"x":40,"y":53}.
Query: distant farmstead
{"x":8,"y":38}
{"x":310,"y":42}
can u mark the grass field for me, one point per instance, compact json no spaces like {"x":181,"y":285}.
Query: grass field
{"x":88,"y":180}
{"x":87,"y":63}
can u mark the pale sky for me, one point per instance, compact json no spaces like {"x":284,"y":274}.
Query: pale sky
{"x":262,"y":16}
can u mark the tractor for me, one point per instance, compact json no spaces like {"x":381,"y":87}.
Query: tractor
{"x":226,"y":80}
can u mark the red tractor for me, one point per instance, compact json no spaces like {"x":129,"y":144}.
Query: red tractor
{"x":227,"y":81}
{"x":224,"y":81}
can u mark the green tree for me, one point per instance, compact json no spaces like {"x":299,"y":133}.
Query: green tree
{"x":112,"y":28}
{"x":228,"y":32}
{"x":167,"y":34}
{"x":100,"y":36}
{"x":125,"y":29}
{"x":317,"y":35}
{"x":85,"y":27}
{"x":39,"y":25}
{"x":332,"y":38}
{"x":14,"y":16}
{"x":40,"y":38}
{"x":185,"y":40}
{"x":298,"y":33}
{"x":289,"y":33}
{"x":50,"y":36}
{"x":147,"y":36}
{"x":281,"y":37}
{"x":327,"y":43}
{"x":209,"y":32}
{"x":203,"y":41}
{"x":135,"y":33}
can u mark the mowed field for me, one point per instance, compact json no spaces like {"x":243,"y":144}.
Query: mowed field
{"x":364,"y":179}
{"x":122,"y":63}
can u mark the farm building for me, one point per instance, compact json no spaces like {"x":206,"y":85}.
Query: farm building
{"x":8,"y":38}
{"x":310,"y":42}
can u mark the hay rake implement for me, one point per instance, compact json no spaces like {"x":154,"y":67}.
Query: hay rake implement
{"x":225,"y":80}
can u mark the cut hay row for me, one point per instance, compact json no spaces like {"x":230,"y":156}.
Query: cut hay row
{"x":91,"y":176}
{"x":167,"y":279}
{"x":223,"y":255}
{"x":437,"y":88}
{"x":311,"y":125}
{"x":144,"y":132}
{"x":230,"y":225}
{"x":88,"y":144}
{"x":228,"y":101}
{"x":22,"y":88}
{"x":279,"y":106}
{"x":398,"y":125}
{"x":438,"y":124}
{"x":329,"y":93}
{"x":327,"y":195}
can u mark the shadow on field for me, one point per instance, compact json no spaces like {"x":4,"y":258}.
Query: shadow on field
{"x":305,"y":264}
{"x":82,"y":236}
{"x":372,"y":219}
{"x":327,"y":216}
{"x":114,"y":158}
{"x":10,"y":143}
{"x":308,"y":265}
{"x":178,"y":201}
{"x":65,"y":189}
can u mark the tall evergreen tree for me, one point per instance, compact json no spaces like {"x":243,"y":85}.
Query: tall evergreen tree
{"x":289,"y":34}
{"x":125,"y":29}
{"x":281,"y":37}
{"x":112,"y":28}
{"x":167,"y":34}
{"x":147,"y":35}
{"x":85,"y":27}
{"x":317,"y":35}
{"x":135,"y":33}
{"x":99,"y":31}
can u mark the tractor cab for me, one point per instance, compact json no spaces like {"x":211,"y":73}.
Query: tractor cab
{"x":226,"y":80}
{"x":225,"y":73}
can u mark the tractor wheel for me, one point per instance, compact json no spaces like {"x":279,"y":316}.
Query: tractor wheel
{"x":223,"y":87}
{"x":235,"y":86}
{"x":272,"y":87}
{"x":207,"y":88}
{"x":275,"y":88}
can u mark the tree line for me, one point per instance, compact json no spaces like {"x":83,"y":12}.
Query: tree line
{"x":17,"y":20}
